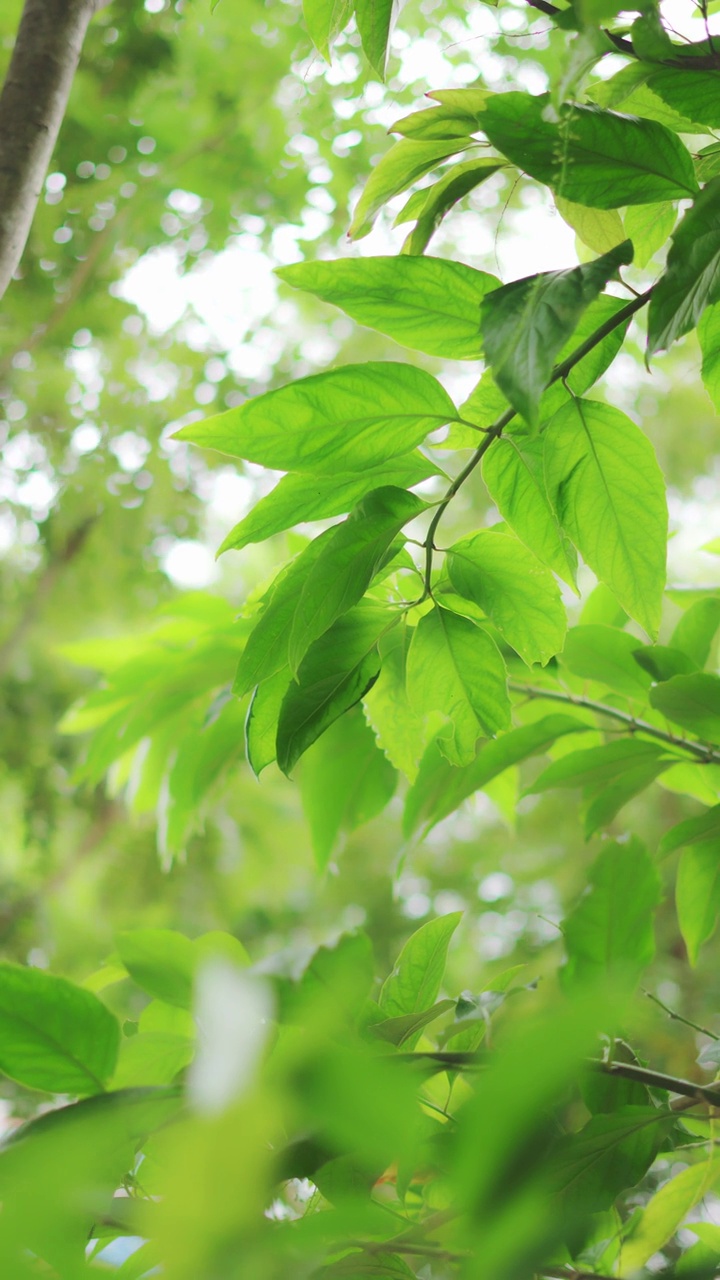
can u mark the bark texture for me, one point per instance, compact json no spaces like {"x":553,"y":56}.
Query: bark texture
{"x":32,"y":105}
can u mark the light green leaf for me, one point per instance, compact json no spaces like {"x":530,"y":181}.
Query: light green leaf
{"x":662,"y":662}
{"x":610,"y":776}
{"x":347,"y":419}
{"x":335,"y":674}
{"x":600,"y":229}
{"x":604,"y":482}
{"x":151,"y":1058}
{"x":163,"y":962}
{"x":454,"y":667}
{"x":697,"y":893}
{"x":609,"y":934}
{"x":54,"y":1035}
{"x":608,"y":656}
{"x":591,"y":157}
{"x":666,"y":1211}
{"x":513,"y":472}
{"x":299,"y":498}
{"x":345,"y":781}
{"x":527,"y":323}
{"x":374,"y":20}
{"x":648,"y":226}
{"x":436,"y":201}
{"x":430,"y":304}
{"x":405,"y":162}
{"x":417,"y":975}
{"x":399,"y":1030}
{"x":697,"y":629}
{"x":692,"y":831}
{"x":400,"y":732}
{"x":709,"y":336}
{"x":691,"y":701}
{"x":262,"y":720}
{"x":439,"y":788}
{"x":692,"y":277}
{"x":325,"y":20}
{"x":355,"y":1266}
{"x":518,"y":593}
{"x":347,"y":564}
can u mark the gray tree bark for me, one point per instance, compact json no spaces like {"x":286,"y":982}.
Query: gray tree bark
{"x":32,"y":105}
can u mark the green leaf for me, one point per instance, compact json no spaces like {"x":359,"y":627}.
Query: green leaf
{"x":526,"y":324}
{"x":399,"y":1030}
{"x":439,"y":199}
{"x":347,"y":564}
{"x":54,"y":1035}
{"x":609,"y":934}
{"x":692,"y":277}
{"x":610,"y":776}
{"x":608,"y":656}
{"x":666,"y":1211}
{"x":325,"y":20}
{"x":266,"y":650}
{"x":405,"y":162}
{"x":693,"y":93}
{"x":600,"y":229}
{"x":590,"y":157}
{"x":692,"y":831}
{"x":163,"y":962}
{"x":262,"y":720}
{"x":662,"y":662}
{"x":354,"y":1266}
{"x":709,"y":337}
{"x":697,"y":628}
{"x":609,"y":1154}
{"x":345,"y":781}
{"x":455,"y":668}
{"x":697,"y":893}
{"x":707,"y":162}
{"x":604,"y":482}
{"x":513,"y":473}
{"x":429,"y":304}
{"x":440,"y":789}
{"x":399,"y":731}
{"x":336,"y":981}
{"x":152,"y":1058}
{"x":691,"y":701}
{"x":518,"y":593}
{"x":440,"y":123}
{"x":299,"y":498}
{"x":648,"y":226}
{"x":335,"y":674}
{"x":374,"y":20}
{"x":347,"y":419}
{"x":414,"y":984}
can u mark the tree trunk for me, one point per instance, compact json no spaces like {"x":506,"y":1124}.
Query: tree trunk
{"x":32,"y":105}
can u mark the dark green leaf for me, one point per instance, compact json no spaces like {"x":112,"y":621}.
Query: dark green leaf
{"x":692,"y":277}
{"x":400,"y":167}
{"x":54,"y":1035}
{"x":344,"y":420}
{"x":299,"y":498}
{"x":512,"y":587}
{"x":414,"y":984}
{"x":339,"y":668}
{"x":455,"y":669}
{"x":527,"y":323}
{"x":611,"y":1153}
{"x":609,"y":934}
{"x":430,"y":304}
{"x":694,"y":93}
{"x":608,"y":491}
{"x":345,"y":780}
{"x":347,"y":564}
{"x":439,"y":789}
{"x":608,"y":656}
{"x":591,"y":157}
{"x":691,"y":701}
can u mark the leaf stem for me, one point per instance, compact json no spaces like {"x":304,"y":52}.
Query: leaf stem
{"x":678,"y":1017}
{"x":704,"y":754}
{"x":494,"y":432}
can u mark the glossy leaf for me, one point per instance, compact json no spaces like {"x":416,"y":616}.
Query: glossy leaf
{"x":610,"y":934}
{"x":442,"y":196}
{"x":692,"y":276}
{"x":455,"y":668}
{"x":417,"y":975}
{"x":430,"y":304}
{"x":607,"y":489}
{"x":692,"y":701}
{"x":262,"y":720}
{"x":54,"y":1035}
{"x":405,"y":162}
{"x":512,"y":587}
{"x":343,"y":420}
{"x":347,"y":564}
{"x":591,"y":157}
{"x":526,"y":324}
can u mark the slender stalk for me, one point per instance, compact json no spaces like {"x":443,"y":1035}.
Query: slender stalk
{"x":495,"y":431}
{"x":678,"y":1017}
{"x":704,"y":754}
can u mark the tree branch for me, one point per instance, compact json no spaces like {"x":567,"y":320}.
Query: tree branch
{"x":32,"y":105}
